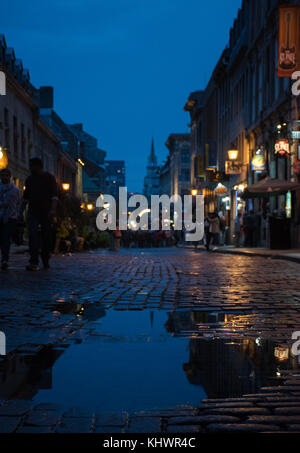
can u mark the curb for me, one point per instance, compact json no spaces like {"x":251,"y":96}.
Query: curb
{"x":260,"y":255}
{"x":250,"y":254}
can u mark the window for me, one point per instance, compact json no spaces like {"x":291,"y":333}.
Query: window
{"x":185,"y":157}
{"x":185,"y":175}
{"x":16,"y":136}
{"x":23,"y":141}
{"x":29,"y":144}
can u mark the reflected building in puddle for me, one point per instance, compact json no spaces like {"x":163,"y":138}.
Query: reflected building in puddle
{"x":228,"y":367}
{"x":23,"y":375}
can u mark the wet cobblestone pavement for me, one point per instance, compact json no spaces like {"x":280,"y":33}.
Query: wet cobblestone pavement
{"x":229,"y":321}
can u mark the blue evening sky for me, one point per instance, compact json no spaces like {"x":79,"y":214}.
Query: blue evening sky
{"x":124,"y":68}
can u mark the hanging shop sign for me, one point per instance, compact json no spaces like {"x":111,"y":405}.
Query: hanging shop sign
{"x":232,"y":167}
{"x":282,"y":147}
{"x":281,"y":353}
{"x":258,"y":162}
{"x":288,"y":40}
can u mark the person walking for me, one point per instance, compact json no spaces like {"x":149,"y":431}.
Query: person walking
{"x":9,"y":213}
{"x":41,"y":195}
{"x":237,"y":229}
{"x":250,"y":225}
{"x":207,"y":237}
{"x":214,"y":230}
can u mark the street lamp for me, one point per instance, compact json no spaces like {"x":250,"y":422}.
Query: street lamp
{"x":194,"y":192}
{"x":3,"y":159}
{"x":90,"y":207}
{"x":233,"y":154}
{"x":221,"y":189}
{"x":66,"y":186}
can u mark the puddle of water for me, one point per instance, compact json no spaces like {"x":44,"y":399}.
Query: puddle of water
{"x":138,"y":360}
{"x":129,"y":363}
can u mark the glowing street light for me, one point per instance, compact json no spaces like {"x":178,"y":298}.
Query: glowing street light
{"x":66,"y":186}
{"x":233,"y":154}
{"x":3,"y":159}
{"x":194,"y":192}
{"x":90,"y":206}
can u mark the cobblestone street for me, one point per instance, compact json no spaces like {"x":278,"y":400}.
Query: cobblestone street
{"x":222,"y":321}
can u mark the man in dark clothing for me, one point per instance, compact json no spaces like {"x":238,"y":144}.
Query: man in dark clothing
{"x":41,"y":195}
{"x":250,"y":224}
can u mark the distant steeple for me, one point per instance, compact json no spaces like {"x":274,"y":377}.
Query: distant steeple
{"x":152,"y":159}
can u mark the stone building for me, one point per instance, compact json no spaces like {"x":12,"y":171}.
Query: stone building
{"x":92,"y":157}
{"x":23,"y":134}
{"x":180,"y":164}
{"x":165,"y":178}
{"x":115,"y":177}
{"x":246,"y":107}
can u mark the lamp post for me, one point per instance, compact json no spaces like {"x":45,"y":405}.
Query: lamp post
{"x":194,"y":192}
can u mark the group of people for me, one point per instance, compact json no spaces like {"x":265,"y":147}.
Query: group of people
{"x":40,"y":197}
{"x":142,"y":239}
{"x":214,"y":228}
{"x":246,"y":229}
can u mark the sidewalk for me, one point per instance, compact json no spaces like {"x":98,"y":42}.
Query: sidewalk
{"x":288,"y":255}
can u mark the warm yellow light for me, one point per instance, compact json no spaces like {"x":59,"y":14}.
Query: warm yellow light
{"x":82,"y":205}
{"x":81,"y":162}
{"x":221,"y":189}
{"x":233,"y":154}
{"x":3,"y":159}
{"x":194,"y":192}
{"x":90,"y":207}
{"x":66,"y":186}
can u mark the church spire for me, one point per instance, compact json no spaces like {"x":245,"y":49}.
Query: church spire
{"x":152,"y":159}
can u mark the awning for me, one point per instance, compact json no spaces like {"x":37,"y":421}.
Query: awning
{"x":269,"y":186}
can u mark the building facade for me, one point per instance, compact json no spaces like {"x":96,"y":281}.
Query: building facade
{"x":23,"y":133}
{"x":246,"y":107}
{"x":179,"y":146}
{"x":165,"y":178}
{"x":115,"y":177}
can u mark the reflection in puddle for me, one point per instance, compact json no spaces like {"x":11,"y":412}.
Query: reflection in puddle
{"x":89,"y":312}
{"x":142,"y":360}
{"x":23,"y":375}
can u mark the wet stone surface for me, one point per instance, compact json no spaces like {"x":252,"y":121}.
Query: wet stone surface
{"x":157,"y":340}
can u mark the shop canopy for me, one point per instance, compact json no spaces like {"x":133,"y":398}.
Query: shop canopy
{"x":269,"y":186}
